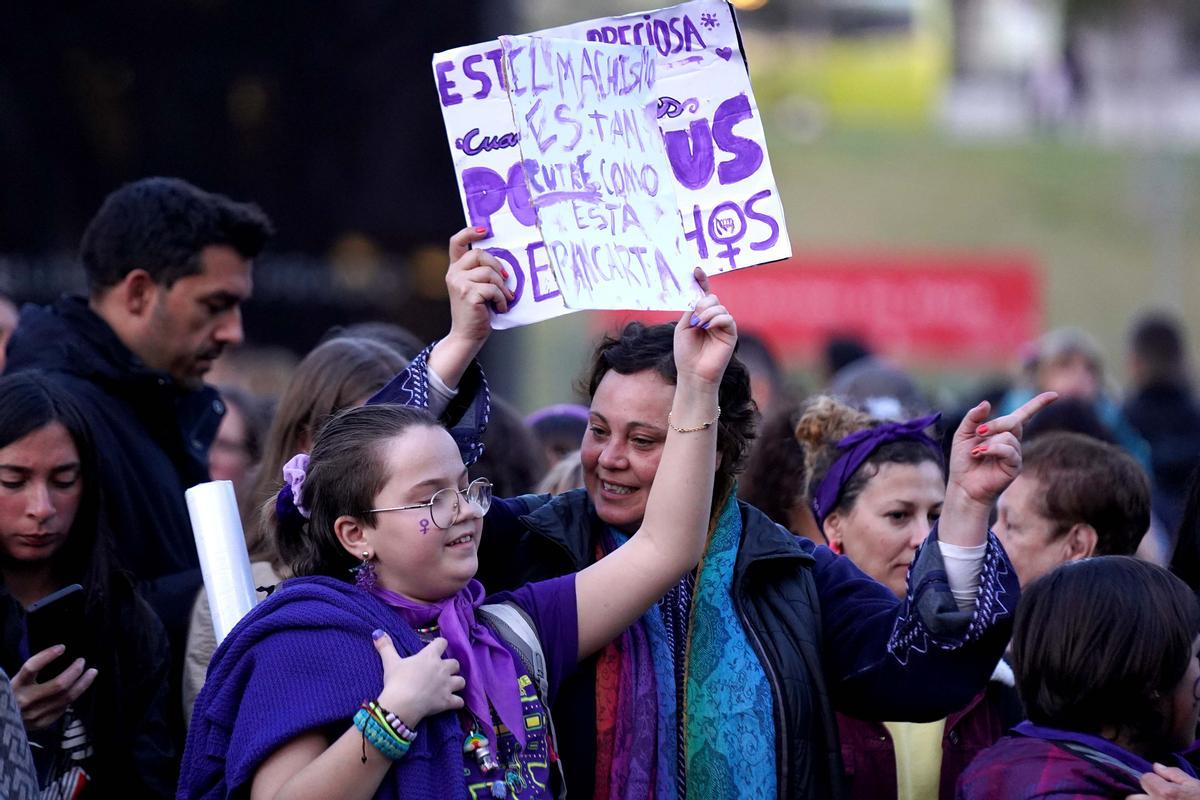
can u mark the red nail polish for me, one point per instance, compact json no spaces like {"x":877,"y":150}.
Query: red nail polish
{"x":982,"y":430}
{"x":504,"y":274}
{"x":979,"y":450}
{"x":481,"y":230}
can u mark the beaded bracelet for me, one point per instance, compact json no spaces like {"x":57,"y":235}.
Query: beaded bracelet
{"x":390,"y":721}
{"x":705,"y":426}
{"x":380,"y":737}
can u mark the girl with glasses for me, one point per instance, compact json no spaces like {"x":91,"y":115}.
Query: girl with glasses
{"x":728,"y":686}
{"x":391,"y":681}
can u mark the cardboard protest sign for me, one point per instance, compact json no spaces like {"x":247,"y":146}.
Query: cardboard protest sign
{"x":594,"y":166}
{"x":730,"y":209}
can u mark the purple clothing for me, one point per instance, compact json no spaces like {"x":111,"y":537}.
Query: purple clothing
{"x":466,"y":418}
{"x":870,"y":755}
{"x":526,"y":772}
{"x":303,"y":661}
{"x":551,"y":606}
{"x":1037,"y":762}
{"x":484,"y":663}
{"x":856,"y":448}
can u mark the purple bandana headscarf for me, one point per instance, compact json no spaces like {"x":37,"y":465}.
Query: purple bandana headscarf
{"x":857,"y":448}
{"x":485,"y":664}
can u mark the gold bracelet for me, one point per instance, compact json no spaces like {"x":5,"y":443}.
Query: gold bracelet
{"x":698,"y":428}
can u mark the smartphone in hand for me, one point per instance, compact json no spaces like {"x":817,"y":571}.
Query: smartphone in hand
{"x":56,"y":619}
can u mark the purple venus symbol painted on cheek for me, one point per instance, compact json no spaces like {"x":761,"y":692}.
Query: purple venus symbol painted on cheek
{"x":424,"y":527}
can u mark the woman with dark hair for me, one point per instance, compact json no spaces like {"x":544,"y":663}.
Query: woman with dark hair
{"x":727,"y":687}
{"x":1105,"y":654}
{"x":774,"y":478}
{"x":877,"y":513}
{"x":105,"y":714}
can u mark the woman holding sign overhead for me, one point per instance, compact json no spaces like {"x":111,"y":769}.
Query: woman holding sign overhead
{"x":728,"y":686}
{"x":379,"y":670}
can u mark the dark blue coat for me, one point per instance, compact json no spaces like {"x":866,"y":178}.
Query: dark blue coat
{"x":151,"y":438}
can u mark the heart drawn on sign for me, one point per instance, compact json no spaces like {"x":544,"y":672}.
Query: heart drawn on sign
{"x":724,"y":52}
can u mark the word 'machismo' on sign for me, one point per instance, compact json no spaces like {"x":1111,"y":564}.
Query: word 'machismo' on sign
{"x":593,"y":163}
{"x":483,"y":71}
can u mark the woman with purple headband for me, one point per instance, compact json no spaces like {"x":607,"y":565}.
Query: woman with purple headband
{"x":876,"y":488}
{"x":727,"y":688}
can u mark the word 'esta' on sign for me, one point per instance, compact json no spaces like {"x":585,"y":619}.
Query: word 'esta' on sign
{"x":593,"y":161}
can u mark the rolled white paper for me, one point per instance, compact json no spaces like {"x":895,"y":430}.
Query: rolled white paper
{"x":217,"y":527}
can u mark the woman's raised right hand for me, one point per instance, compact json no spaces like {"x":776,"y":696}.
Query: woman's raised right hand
{"x":42,"y":704}
{"x":421,"y":685}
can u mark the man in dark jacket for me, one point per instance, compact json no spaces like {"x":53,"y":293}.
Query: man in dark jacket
{"x":1163,"y":409}
{"x":168,"y":266}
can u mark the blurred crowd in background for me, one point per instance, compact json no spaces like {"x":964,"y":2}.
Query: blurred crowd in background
{"x":987,"y":200}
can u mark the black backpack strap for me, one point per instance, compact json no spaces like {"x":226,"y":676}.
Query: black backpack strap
{"x":515,"y":627}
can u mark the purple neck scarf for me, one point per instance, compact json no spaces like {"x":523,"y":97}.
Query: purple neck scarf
{"x":857,"y":448}
{"x":484,"y":662}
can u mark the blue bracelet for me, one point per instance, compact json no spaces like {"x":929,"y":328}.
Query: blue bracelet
{"x":382,"y":740}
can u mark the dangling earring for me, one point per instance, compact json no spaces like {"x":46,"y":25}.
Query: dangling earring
{"x":364,"y":573}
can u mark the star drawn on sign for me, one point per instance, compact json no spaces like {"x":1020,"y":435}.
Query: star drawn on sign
{"x":709,"y":20}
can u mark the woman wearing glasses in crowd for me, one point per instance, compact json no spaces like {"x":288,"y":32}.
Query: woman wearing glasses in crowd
{"x":727,"y":687}
{"x":298,"y":702}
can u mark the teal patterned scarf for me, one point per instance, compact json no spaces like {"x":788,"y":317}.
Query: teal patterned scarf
{"x":729,"y":725}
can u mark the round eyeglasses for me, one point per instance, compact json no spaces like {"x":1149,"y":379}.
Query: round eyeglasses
{"x":444,"y":506}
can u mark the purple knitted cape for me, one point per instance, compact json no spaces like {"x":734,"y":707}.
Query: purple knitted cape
{"x":302,"y":660}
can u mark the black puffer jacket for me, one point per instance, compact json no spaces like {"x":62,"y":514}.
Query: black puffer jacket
{"x":820,"y":627}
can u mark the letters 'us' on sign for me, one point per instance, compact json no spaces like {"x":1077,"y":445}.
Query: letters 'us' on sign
{"x":568,"y":186}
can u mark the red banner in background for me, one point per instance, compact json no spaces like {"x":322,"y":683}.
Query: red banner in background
{"x":967,"y":309}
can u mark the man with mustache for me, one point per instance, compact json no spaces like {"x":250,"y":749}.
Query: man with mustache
{"x":168,"y":267}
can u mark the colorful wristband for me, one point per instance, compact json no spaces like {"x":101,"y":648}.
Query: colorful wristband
{"x":389,"y":721}
{"x":381,"y":738}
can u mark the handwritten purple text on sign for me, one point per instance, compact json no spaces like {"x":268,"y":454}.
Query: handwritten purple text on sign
{"x":594,"y":161}
{"x":719,"y":163}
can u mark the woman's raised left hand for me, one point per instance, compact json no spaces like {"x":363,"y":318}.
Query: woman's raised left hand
{"x":705,"y":337}
{"x":985,"y":456}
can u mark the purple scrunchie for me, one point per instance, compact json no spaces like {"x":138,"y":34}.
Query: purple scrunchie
{"x":291,"y":495}
{"x":857,"y":448}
